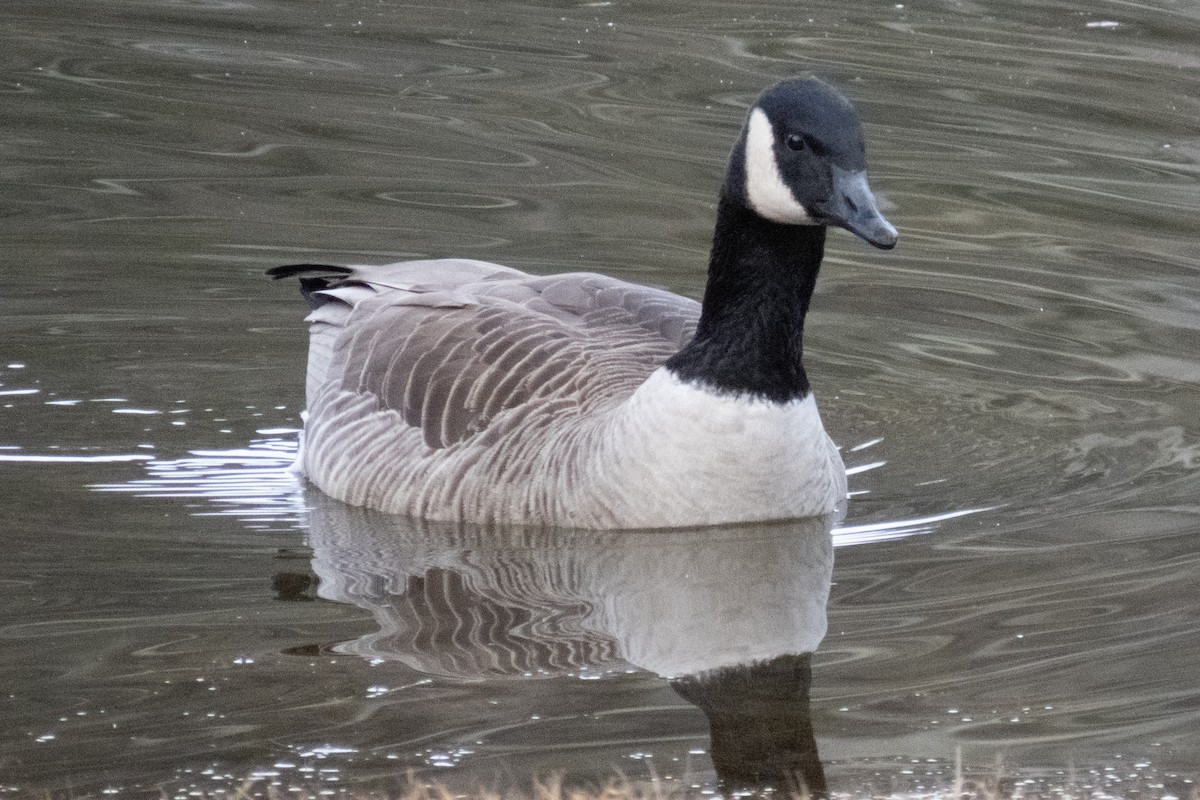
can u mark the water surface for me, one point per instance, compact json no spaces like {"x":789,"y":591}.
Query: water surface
{"x":1015,"y":387}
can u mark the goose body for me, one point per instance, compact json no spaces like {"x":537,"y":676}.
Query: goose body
{"x":462,"y":390}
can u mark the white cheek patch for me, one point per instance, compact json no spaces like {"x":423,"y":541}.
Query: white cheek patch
{"x":765,"y":189}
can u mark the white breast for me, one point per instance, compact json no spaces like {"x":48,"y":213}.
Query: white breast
{"x":679,"y":454}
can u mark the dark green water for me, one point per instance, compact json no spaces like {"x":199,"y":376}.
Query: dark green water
{"x":1028,"y":354}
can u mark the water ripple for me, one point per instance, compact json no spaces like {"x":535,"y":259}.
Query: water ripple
{"x":1014,"y":385}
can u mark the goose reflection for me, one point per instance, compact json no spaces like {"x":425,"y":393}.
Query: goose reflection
{"x":729,"y":616}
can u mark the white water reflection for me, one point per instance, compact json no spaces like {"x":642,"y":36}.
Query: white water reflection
{"x":257,"y":485}
{"x":846,"y":535}
{"x":253,"y":483}
{"x":53,"y":458}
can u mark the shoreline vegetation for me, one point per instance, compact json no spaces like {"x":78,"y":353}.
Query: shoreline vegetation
{"x":996,"y":782}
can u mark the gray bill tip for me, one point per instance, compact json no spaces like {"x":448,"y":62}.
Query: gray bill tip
{"x":853,"y":206}
{"x":880,"y":233}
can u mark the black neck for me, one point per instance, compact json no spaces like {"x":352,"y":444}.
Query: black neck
{"x":760,"y":280}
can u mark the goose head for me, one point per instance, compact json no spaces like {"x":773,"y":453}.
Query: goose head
{"x":801,"y":160}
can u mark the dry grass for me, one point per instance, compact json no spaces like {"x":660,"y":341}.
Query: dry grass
{"x":994,"y":782}
{"x":988,"y":787}
{"x":551,"y":788}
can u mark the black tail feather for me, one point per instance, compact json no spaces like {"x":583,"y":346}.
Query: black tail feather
{"x":310,"y":285}
{"x":292,"y":270}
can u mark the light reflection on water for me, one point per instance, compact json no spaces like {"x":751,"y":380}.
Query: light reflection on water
{"x":254,"y":484}
{"x":257,"y":485}
{"x":31,"y":458}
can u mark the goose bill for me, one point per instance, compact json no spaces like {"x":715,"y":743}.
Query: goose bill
{"x":853,"y":206}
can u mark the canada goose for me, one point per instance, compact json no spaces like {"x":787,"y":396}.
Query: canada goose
{"x":462,"y":390}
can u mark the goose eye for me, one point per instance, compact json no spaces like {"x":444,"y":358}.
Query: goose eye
{"x":794,"y":141}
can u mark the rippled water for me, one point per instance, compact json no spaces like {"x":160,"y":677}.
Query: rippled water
{"x":1015,"y":387}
